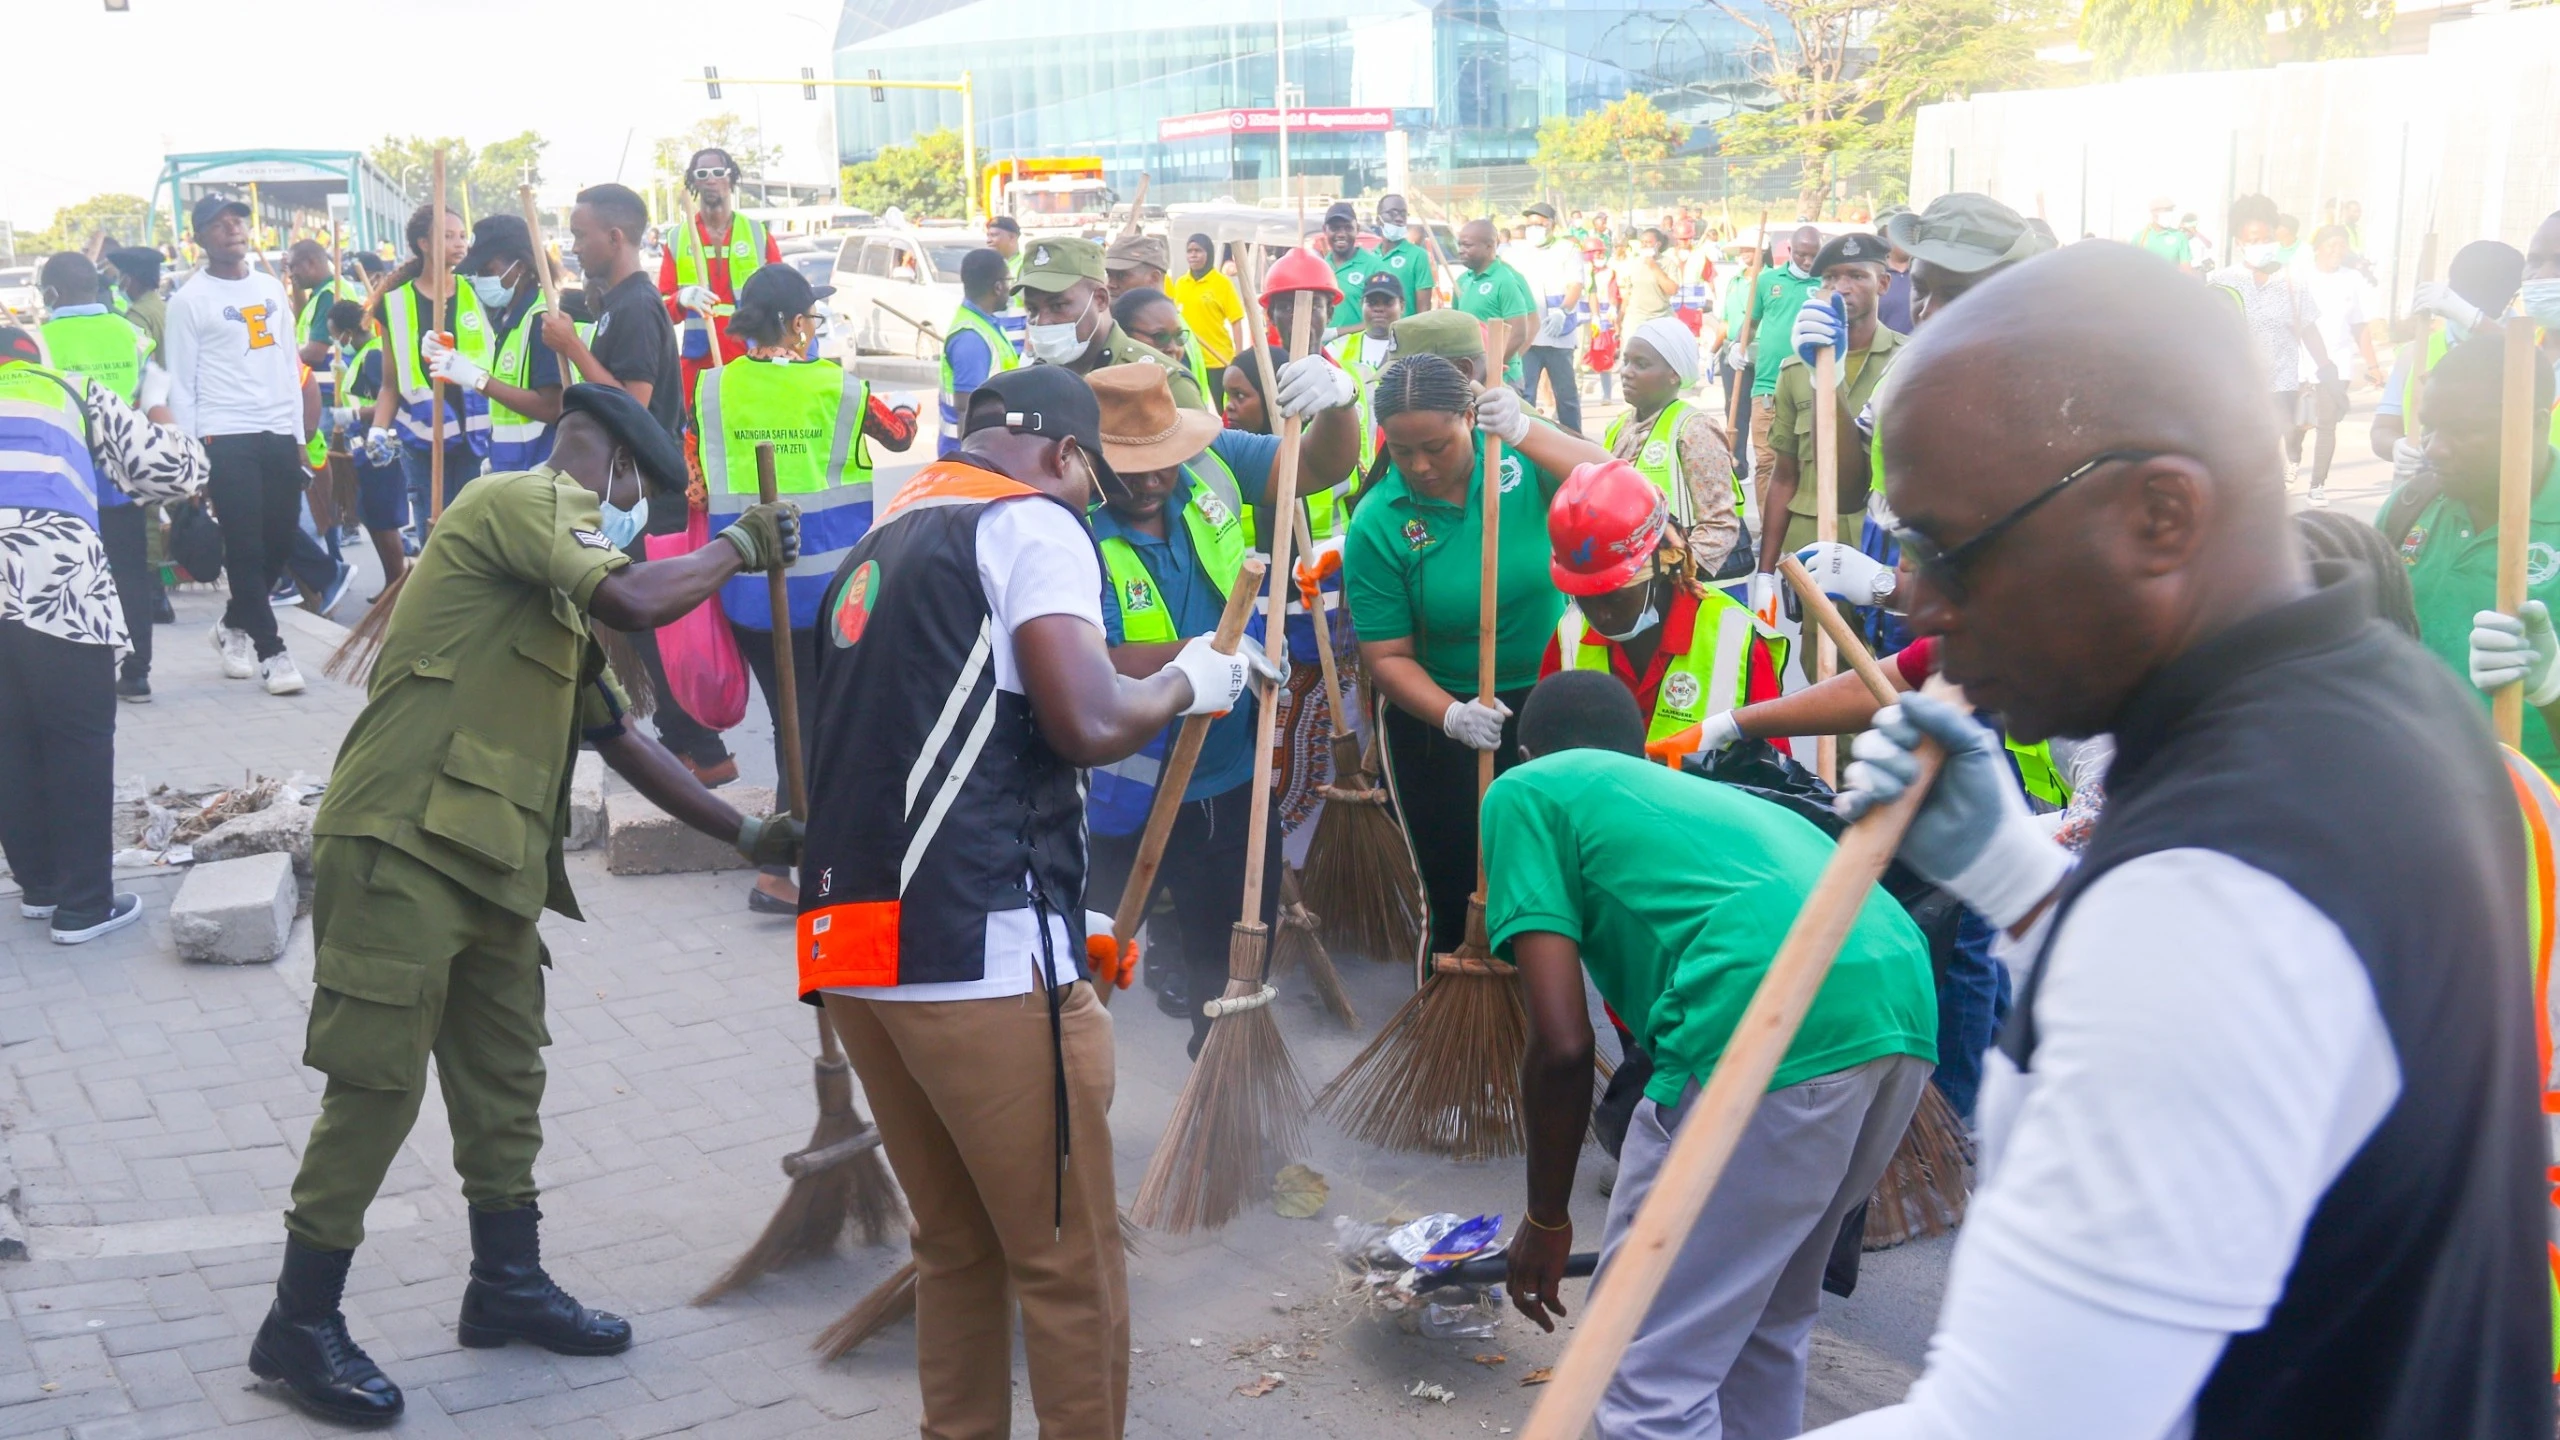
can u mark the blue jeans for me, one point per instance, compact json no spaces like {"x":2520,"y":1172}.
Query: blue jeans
{"x":1973,"y":998}
{"x":1556,"y":363}
{"x":460,"y":465}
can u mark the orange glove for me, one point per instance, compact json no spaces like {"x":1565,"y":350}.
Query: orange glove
{"x":1673,"y":748}
{"x":1315,"y":567}
{"x":1109,"y":966}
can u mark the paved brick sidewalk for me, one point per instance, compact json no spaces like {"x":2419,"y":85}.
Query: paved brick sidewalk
{"x":154,"y":1112}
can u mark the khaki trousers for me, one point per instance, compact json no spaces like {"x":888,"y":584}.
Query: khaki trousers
{"x":1764,"y":462}
{"x":963,"y":1093}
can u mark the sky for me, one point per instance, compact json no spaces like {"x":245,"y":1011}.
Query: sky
{"x":297,"y":74}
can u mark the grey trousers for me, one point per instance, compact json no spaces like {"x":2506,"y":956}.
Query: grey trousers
{"x":1722,"y":1354}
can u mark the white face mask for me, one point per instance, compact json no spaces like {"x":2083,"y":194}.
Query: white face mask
{"x":2160,"y":218}
{"x":2542,"y":301}
{"x":2261,"y":256}
{"x":1537,"y":234}
{"x":1651,"y":617}
{"x":1061,"y":344}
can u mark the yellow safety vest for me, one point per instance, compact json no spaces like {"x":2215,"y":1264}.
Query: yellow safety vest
{"x":744,"y":251}
{"x":473,"y":339}
{"x":1711,"y":677}
{"x":811,"y":411}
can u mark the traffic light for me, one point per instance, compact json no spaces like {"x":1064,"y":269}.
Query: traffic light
{"x":877,"y":94}
{"x":808,"y":83}
{"x":711,"y":80}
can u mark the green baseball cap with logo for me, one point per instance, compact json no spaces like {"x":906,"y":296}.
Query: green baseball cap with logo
{"x":1054,"y":265}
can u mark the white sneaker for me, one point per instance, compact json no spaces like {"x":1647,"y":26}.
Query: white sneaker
{"x":239,"y":654}
{"x":2319,"y":497}
{"x":282,"y":675}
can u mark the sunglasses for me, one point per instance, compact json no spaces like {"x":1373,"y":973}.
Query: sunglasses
{"x":1945,"y":568}
{"x":713,"y":172}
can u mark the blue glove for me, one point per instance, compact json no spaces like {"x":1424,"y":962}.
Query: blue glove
{"x":1973,"y":836}
{"x":1821,"y":324}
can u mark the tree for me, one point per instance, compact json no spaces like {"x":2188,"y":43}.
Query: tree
{"x":923,"y":178}
{"x":477,"y":182}
{"x":410,"y":162}
{"x":122,"y":219}
{"x":501,"y":169}
{"x":724,"y":131}
{"x":1809,"y":52}
{"x":2149,"y":37}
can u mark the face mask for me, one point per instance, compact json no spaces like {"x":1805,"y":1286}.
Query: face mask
{"x":621,"y":527}
{"x":2261,"y":256}
{"x":1798,"y":271}
{"x":1537,"y":234}
{"x":494,"y":291}
{"x":2160,"y":218}
{"x":1651,"y":617}
{"x":1061,"y":344}
{"x":2542,"y":301}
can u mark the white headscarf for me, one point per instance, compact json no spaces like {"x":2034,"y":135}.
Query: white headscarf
{"x":1672,"y":341}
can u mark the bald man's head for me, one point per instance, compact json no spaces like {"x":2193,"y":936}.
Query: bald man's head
{"x":1804,"y":247}
{"x":1476,"y":244}
{"x":2096,"y":353}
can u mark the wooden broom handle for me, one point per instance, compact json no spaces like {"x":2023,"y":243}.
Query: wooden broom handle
{"x":438,"y":280}
{"x":1175,"y":776}
{"x":1713,"y":1127}
{"x":1489,"y":573}
{"x":786,"y":683}
{"x":1324,"y":636}
{"x":541,"y":253}
{"x":1275,"y":624}
{"x":2515,"y":506}
{"x":1836,"y":628}
{"x":1826,"y":499}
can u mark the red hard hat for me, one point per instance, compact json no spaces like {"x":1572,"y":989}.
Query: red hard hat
{"x":1301,"y":269}
{"x":1603,"y":526}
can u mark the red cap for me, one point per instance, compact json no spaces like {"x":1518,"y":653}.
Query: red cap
{"x":1603,"y":526}
{"x":1301,"y":269}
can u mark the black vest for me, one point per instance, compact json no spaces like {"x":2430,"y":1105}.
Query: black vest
{"x":932,"y":795}
{"x":2319,"y":746}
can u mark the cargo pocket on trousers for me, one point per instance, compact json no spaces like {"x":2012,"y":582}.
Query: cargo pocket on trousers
{"x":367,"y":1027}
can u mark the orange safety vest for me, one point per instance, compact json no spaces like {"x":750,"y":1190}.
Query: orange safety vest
{"x":2541,"y":806}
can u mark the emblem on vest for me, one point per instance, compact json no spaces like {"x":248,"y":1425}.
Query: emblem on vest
{"x":2541,"y":562}
{"x":1680,"y":691}
{"x":2413,"y":544}
{"x":1213,"y":509}
{"x":1417,"y":536}
{"x":1136,"y":595}
{"x":854,"y":604}
{"x":469,"y":320}
{"x":1656,"y":453}
{"x":1511,"y":472}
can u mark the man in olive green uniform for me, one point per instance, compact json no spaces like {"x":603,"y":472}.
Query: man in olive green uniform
{"x":437,"y":849}
{"x":1067,"y":299}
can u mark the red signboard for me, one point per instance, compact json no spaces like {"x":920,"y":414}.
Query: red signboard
{"x":1267,"y":122}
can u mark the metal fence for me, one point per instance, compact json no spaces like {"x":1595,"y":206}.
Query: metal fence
{"x":1717,"y":186}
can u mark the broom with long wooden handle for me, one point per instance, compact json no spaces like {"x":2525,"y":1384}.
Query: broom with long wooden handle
{"x":1625,"y":1293}
{"x":1927,"y":1184}
{"x":439,"y":284}
{"x":838,"y":1178}
{"x":1299,"y":946}
{"x":2515,"y":506}
{"x":1826,"y":498}
{"x":1175,"y":776}
{"x":1444,"y":1072}
{"x":1243,"y":1101}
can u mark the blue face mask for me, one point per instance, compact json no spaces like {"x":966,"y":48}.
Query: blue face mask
{"x":494,"y":291}
{"x":620,"y":526}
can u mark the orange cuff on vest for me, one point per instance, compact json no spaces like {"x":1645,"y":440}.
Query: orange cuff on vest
{"x":854,"y":944}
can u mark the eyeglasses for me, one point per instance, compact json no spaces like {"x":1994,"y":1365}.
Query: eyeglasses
{"x":713,"y":172}
{"x":1945,"y":568}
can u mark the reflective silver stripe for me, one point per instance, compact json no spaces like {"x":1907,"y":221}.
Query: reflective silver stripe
{"x":56,"y":416}
{"x":1141,"y":768}
{"x":24,"y":461}
{"x":931,"y":825}
{"x":1569,"y":634}
{"x":818,"y":562}
{"x":951,"y":707}
{"x":849,"y":412}
{"x":1733,"y":637}
{"x":518,"y":433}
{"x":722,"y":500}
{"x":714,"y":429}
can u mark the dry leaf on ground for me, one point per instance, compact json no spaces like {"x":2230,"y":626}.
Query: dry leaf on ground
{"x":1299,"y":1193}
{"x":1491,"y":1360}
{"x":1262,"y":1386}
{"x":1539,"y":1376}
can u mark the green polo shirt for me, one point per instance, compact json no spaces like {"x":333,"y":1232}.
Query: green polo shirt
{"x":1791,"y":429}
{"x":1496,"y":292}
{"x":1775,"y":298}
{"x":1409,"y":567}
{"x":1353,"y":276}
{"x":2453,"y":572}
{"x":1677,"y":935}
{"x":1411,"y":264}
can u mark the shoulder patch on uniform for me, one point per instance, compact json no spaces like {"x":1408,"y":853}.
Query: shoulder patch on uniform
{"x":854,"y":603}
{"x":592,"y":539}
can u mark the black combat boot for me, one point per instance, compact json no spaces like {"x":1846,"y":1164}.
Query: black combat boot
{"x":509,"y":1298}
{"x":305,"y":1344}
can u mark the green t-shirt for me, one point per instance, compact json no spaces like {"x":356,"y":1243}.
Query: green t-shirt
{"x":2453,"y":574}
{"x":1496,"y":292}
{"x":1677,"y":935}
{"x":2170,"y":245}
{"x":1409,"y":567}
{"x":1775,"y":298}
{"x":1411,"y":264}
{"x":1353,"y":275}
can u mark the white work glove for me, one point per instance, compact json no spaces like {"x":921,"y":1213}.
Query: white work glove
{"x":1475,"y":724}
{"x":1973,"y":837}
{"x":431,"y":346}
{"x":2408,"y":459}
{"x":1819,"y":326}
{"x":455,"y":368}
{"x":1735,"y":357}
{"x":1763,"y":595}
{"x":339,"y":420}
{"x":381,"y":447}
{"x":2437,"y":298}
{"x":153,"y":392}
{"x":1500,"y":414}
{"x":1847,"y":573}
{"x":1312,"y":383}
{"x":2506,"y":648}
{"x":701,"y":299}
{"x":1273,"y":669}
{"x":1718,"y":733}
{"x":1216,"y":680}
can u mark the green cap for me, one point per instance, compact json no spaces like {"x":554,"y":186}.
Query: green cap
{"x":1964,"y":232}
{"x":1054,"y":265}
{"x":1452,"y":333}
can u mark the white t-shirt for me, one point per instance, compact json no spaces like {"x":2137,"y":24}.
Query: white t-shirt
{"x":2346,"y":303}
{"x":1033,"y":560}
{"x":233,"y":365}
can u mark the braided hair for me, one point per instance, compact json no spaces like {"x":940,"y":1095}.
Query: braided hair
{"x":1416,"y":383}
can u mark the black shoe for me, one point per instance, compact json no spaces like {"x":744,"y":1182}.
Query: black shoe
{"x":509,"y":1298}
{"x":304,"y":1343}
{"x":133,"y":689}
{"x":1174,"y":998}
{"x":162,"y":613}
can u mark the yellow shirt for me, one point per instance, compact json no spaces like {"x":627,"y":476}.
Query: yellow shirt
{"x":1207,"y":305}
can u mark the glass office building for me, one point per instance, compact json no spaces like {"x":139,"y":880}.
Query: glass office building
{"x":1466,"y":82}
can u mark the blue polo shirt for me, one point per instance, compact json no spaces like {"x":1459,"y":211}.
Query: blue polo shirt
{"x":1194,"y":603}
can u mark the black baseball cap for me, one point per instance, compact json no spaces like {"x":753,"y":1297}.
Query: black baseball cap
{"x":1341,"y":210}
{"x":1541,"y":209}
{"x":1382,"y":282}
{"x":493,"y":236}
{"x":1858,"y":247}
{"x":139,"y":263}
{"x":660,"y":459}
{"x":1007,"y":224}
{"x":1049,"y":401}
{"x":780,"y":290}
{"x":214,"y":207}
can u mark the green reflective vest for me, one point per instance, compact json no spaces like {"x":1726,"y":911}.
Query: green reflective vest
{"x":105,"y":347}
{"x":1711,"y":677}
{"x":474,"y":338}
{"x":744,"y":250}
{"x":2423,"y":360}
{"x":518,"y":441}
{"x":2037,"y":772}
{"x":319,"y":302}
{"x":1215,"y":517}
{"x":811,"y":412}
{"x":1659,"y":462}
{"x":1003,"y":357}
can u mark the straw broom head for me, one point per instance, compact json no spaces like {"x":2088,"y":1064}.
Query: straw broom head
{"x":1300,"y":946}
{"x":1359,"y":879}
{"x":1925,"y":1186}
{"x":1242,"y":1107}
{"x":1444,"y":1073}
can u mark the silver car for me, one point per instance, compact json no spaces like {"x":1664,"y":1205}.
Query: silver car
{"x":896,"y":289}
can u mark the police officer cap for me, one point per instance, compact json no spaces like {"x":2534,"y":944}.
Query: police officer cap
{"x":1855,"y":248}
{"x":1055,"y":265}
{"x":1450,"y":333}
{"x":633,"y":428}
{"x":1965,"y":233}
{"x":139,"y":263}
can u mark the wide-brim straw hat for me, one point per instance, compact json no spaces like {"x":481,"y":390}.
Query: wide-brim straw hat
{"x":1142,"y":429}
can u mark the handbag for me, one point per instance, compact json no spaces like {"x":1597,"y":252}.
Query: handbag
{"x":195,"y":543}
{"x":704,"y":669}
